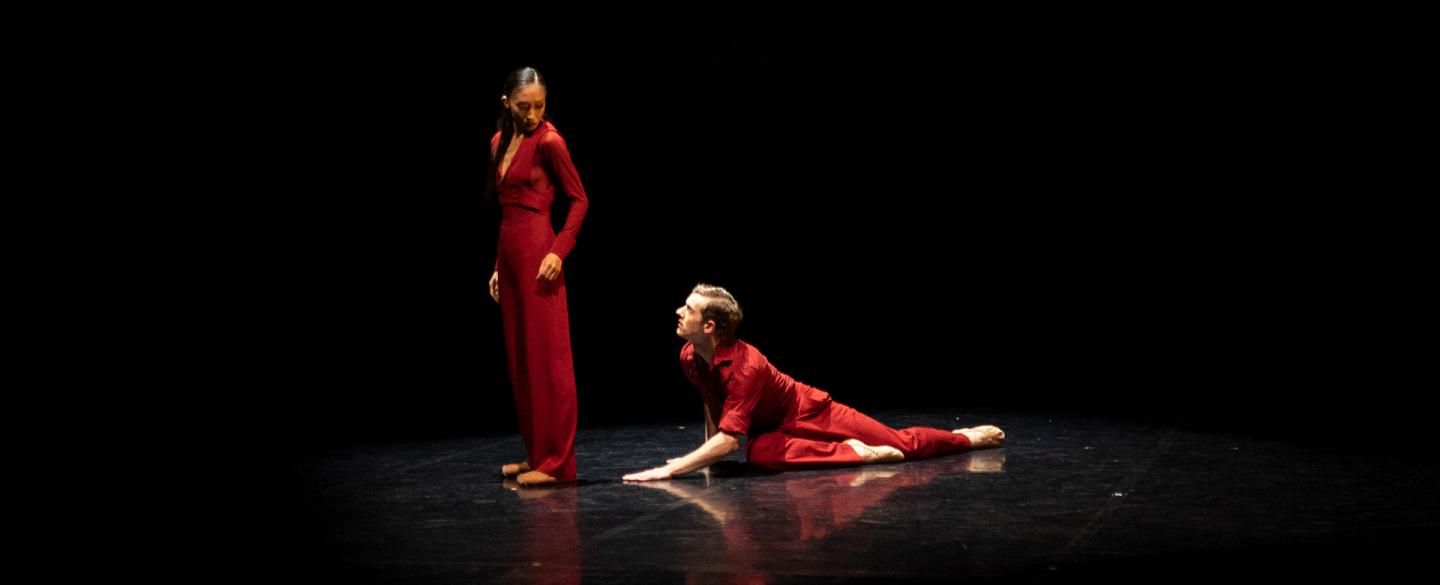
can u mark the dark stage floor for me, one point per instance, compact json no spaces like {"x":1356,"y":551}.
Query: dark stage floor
{"x":1068,"y":498}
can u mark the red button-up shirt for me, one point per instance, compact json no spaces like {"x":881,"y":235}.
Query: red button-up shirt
{"x":749,"y":395}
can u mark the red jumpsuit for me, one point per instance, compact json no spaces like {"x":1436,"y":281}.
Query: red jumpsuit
{"x":537,"y":323}
{"x":792,"y":425}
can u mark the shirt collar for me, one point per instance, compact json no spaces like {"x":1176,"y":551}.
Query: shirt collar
{"x":726,"y":353}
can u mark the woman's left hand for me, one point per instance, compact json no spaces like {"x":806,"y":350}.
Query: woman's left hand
{"x":550,"y":268}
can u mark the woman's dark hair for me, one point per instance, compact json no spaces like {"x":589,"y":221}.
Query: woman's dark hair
{"x":506,"y":123}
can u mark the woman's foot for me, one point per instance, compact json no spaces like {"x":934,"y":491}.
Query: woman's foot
{"x":535,"y":478}
{"x":983,"y":436}
{"x":514,"y":469}
{"x":875,"y":454}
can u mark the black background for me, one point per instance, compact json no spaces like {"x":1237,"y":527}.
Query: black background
{"x":1034,"y":213}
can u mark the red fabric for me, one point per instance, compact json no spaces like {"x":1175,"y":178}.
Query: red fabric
{"x":537,"y":322}
{"x":792,"y":425}
{"x":743,"y":390}
{"x":816,"y":440}
{"x":530,"y":181}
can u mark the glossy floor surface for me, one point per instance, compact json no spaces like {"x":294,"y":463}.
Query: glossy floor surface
{"x":1067,"y":498}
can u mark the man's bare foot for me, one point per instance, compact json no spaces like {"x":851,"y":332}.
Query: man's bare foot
{"x":514,"y":469}
{"x":535,"y":478}
{"x":983,"y":436}
{"x":875,"y":454}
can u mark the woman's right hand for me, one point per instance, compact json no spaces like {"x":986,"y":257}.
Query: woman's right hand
{"x":495,"y":286}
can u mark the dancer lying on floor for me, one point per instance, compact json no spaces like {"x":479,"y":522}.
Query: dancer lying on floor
{"x":790,"y":425}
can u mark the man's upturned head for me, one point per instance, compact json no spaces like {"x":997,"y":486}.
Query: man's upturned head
{"x":709,"y":310}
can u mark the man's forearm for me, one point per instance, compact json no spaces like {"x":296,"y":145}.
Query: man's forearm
{"x":715,"y":449}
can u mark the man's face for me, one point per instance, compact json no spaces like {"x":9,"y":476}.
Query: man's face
{"x":691,"y":325}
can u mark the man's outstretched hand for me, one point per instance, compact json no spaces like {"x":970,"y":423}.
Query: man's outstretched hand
{"x":714,"y":449}
{"x":650,"y":474}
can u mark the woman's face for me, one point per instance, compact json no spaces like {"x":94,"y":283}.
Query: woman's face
{"x":527,"y":105}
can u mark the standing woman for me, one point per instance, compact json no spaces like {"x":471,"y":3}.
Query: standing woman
{"x":529,"y":164}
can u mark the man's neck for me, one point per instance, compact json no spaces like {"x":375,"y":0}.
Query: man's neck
{"x":705,"y":348}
